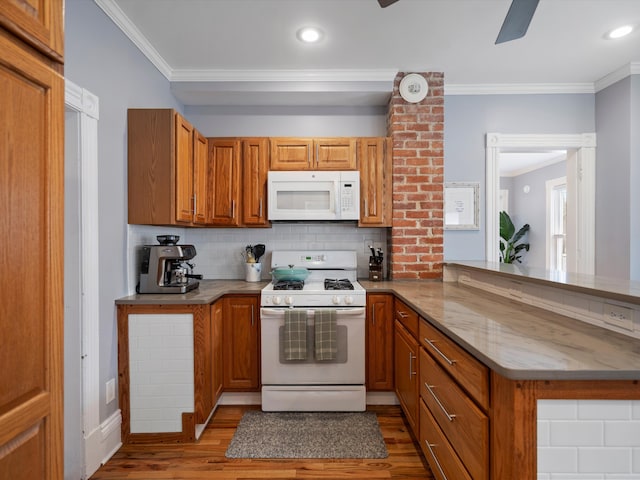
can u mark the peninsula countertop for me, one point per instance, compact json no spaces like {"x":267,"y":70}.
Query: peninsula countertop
{"x":517,"y":341}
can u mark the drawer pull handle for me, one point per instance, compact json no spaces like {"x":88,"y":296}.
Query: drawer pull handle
{"x":412,"y":357}
{"x":402,"y":314}
{"x":435,"y":459}
{"x":435,"y":397}
{"x":431,"y":344}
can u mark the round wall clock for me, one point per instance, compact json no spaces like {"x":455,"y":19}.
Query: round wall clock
{"x":413,"y":88}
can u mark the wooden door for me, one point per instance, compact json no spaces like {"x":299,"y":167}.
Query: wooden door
{"x":224,"y":180}
{"x":184,"y":170}
{"x":202,"y":359}
{"x":39,"y":23}
{"x":241,"y":343}
{"x":217,"y":315}
{"x":335,"y":153}
{"x":374,"y":161}
{"x":291,"y":154}
{"x":255,"y":155}
{"x":31,"y":312}
{"x":379,"y":342}
{"x":200,"y":177}
{"x":406,"y":373}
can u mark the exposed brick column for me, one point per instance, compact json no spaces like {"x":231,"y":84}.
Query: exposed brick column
{"x":417,"y":130}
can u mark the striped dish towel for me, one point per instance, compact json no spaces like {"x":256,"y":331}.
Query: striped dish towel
{"x":295,"y":334}
{"x":325,"y":338}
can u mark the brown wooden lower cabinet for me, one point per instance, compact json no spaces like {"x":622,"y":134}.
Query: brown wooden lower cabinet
{"x":379,"y":332}
{"x":241,"y":327}
{"x":406,"y":373}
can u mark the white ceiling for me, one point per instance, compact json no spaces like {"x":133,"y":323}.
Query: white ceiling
{"x":235,"y":52}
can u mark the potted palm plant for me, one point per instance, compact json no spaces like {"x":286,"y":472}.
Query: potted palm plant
{"x":511,"y":242}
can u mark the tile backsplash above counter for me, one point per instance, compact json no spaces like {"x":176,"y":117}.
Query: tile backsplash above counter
{"x":219,"y":250}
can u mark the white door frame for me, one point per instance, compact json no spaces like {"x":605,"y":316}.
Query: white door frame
{"x":580,"y":167}
{"x":86,"y":105}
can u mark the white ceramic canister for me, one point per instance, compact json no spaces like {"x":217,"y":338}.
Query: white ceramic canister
{"x":253,"y":272}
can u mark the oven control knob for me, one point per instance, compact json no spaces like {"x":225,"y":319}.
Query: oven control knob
{"x":335,"y":300}
{"x":348,"y":299}
{"x":277,"y":300}
{"x":288,"y":300}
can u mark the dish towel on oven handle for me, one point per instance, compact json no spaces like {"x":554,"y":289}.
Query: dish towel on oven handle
{"x":295,"y":334}
{"x":325,"y":335}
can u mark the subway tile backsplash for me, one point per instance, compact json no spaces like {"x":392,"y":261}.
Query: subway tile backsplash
{"x":219,"y":249}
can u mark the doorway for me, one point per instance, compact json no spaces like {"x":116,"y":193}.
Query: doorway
{"x":580,"y":190}
{"x":81,"y":353}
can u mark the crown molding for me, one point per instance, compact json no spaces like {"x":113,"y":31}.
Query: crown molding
{"x":517,"y":88}
{"x":632,"y":68}
{"x":379,"y":75}
{"x":115,"y":13}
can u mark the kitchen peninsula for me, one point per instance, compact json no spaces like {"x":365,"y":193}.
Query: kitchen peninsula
{"x":511,"y":335}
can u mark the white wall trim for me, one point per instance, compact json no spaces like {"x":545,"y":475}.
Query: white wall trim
{"x":87,"y":106}
{"x":585,"y":144}
{"x":632,"y":68}
{"x":518,"y":88}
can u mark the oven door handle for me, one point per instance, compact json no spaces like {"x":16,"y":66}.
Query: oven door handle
{"x":339,"y":311}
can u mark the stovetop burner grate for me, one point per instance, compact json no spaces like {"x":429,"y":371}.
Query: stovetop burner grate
{"x":338,"y":284}
{"x":288,"y":285}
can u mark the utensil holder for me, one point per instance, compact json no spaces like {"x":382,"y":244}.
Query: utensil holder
{"x":253,"y":272}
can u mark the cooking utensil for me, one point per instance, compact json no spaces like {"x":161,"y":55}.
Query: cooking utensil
{"x":258,"y":251}
{"x":168,"y":239}
{"x":250,"y":258}
{"x":290,"y":273}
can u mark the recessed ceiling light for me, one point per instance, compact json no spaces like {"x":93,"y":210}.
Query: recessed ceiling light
{"x":620,"y":32}
{"x":309,"y":34}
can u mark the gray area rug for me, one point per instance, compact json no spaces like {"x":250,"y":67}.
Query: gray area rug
{"x":307,"y":435}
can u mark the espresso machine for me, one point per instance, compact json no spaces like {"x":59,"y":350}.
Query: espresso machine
{"x":165,"y":268}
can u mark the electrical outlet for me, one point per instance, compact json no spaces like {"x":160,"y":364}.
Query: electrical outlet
{"x":111,"y":390}
{"x":619,"y":316}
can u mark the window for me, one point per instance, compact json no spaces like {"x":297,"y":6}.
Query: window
{"x":557,"y":224}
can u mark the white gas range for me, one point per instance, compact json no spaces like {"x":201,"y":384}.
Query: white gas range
{"x":313,"y":335}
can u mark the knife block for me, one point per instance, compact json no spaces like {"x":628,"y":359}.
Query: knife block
{"x":375,"y":272}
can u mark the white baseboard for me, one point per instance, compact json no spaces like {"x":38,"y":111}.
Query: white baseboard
{"x":102,"y":443}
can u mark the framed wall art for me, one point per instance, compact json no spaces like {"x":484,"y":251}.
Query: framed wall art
{"x":461,"y":206}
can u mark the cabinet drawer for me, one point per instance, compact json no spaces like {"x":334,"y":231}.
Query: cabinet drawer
{"x":469,"y":373}
{"x":406,"y":316}
{"x":441,"y":457}
{"x":462,"y":422}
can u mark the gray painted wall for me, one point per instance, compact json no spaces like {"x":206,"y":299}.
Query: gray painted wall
{"x":468,"y":118}
{"x":101,"y":59}
{"x":613,"y":180}
{"x":531,"y":208}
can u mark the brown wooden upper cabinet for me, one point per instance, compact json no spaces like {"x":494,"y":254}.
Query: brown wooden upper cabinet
{"x":313,"y":154}
{"x":255,"y":160}
{"x":375,"y":158}
{"x":166,"y":166}
{"x":224,"y":175}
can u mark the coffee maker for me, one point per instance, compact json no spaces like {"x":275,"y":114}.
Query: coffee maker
{"x":165,"y":268}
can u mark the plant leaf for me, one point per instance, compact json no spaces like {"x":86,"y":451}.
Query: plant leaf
{"x":506,"y":226}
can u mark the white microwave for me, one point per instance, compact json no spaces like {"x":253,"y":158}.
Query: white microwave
{"x":313,"y":195}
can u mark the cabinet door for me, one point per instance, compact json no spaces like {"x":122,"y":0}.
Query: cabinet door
{"x":202,"y":353}
{"x":255,"y":154}
{"x":241,"y":332}
{"x":291,"y":154}
{"x":379,"y":342}
{"x":406,"y":373}
{"x":334,"y":154}
{"x":224,"y":175}
{"x":39,"y":23}
{"x":374,"y":160}
{"x":200,"y":177}
{"x":217,"y":316}
{"x":184,"y":170}
{"x":31,"y":317}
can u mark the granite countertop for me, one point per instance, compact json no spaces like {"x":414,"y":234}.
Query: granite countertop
{"x":518,"y":341}
{"x":207,"y":292}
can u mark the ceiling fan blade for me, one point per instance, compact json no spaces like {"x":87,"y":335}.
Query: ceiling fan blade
{"x":386,"y":3}
{"x":517,"y":20}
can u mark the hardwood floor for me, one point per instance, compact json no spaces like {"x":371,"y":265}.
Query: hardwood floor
{"x":206,"y":460}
